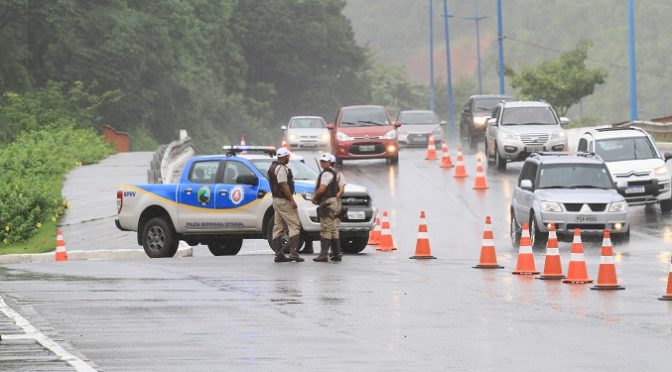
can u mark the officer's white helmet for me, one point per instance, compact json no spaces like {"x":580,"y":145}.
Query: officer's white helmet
{"x":282,"y":152}
{"x":325,"y":157}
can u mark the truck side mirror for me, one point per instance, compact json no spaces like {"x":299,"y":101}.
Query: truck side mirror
{"x":247,"y":179}
{"x":564,"y":121}
{"x":492,"y":122}
{"x":668,"y":156}
{"x":526,"y":185}
{"x":284,"y":127}
{"x":330,"y":126}
{"x":443,"y":122}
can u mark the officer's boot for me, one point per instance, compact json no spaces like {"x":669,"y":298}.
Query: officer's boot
{"x":335,"y":250}
{"x":277,"y":248}
{"x":307,"y":247}
{"x":324,"y":251}
{"x":294,"y":248}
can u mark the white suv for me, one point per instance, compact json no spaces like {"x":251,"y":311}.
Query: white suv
{"x":635,"y":164}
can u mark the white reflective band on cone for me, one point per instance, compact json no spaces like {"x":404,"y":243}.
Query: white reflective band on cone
{"x":422,"y":235}
{"x":488,"y":243}
{"x":606,"y":243}
{"x":525,"y":249}
{"x":607,"y":260}
{"x":577,"y":239}
{"x":576,"y":257}
{"x":552,"y":251}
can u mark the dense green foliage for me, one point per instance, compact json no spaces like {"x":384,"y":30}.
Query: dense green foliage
{"x":396,"y":32}
{"x":34,"y":166}
{"x":562,"y":82}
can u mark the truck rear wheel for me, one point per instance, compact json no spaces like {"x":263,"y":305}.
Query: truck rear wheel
{"x":226,"y":247}
{"x":354,"y":245}
{"x":159,"y":238}
{"x":285,"y":236}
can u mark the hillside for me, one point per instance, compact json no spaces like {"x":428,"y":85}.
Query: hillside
{"x":396,"y":31}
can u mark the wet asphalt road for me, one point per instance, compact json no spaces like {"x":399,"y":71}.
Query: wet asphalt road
{"x":373,"y":311}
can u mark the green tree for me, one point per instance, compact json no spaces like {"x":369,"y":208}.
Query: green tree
{"x":562,"y":82}
{"x":391,"y":87}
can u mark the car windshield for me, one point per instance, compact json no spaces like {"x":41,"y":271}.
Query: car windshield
{"x":535,"y":115}
{"x":411,"y":118}
{"x":364,"y":117}
{"x":575,"y":176}
{"x":488,"y":104}
{"x":300,"y":170}
{"x":620,"y":149}
{"x":307,"y":123}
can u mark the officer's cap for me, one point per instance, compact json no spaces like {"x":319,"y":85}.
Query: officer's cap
{"x":282,"y":152}
{"x":325,"y":157}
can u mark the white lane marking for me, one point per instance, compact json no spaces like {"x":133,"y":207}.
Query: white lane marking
{"x":32,"y":332}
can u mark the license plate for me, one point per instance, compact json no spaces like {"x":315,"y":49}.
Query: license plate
{"x":635,"y":189}
{"x":367,"y":148}
{"x":309,"y":144}
{"x":533,"y":149}
{"x":356,"y":215}
{"x":586,"y":218}
{"x":419,"y":139}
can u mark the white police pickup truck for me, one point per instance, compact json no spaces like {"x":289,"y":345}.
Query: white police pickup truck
{"x":222,"y":199}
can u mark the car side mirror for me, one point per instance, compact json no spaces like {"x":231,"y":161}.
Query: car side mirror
{"x":284,"y":127}
{"x":564,"y":121}
{"x":247,"y":179}
{"x":443,"y":122}
{"x":526,"y":184}
{"x":492,"y":122}
{"x":330,"y":126}
{"x":668,"y":156}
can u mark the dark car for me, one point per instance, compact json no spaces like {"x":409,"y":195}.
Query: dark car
{"x":475,"y":114}
{"x":364,"y":132}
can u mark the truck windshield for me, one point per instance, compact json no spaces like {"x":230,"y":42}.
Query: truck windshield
{"x":300,"y":170}
{"x":620,"y":149}
{"x":575,"y":176}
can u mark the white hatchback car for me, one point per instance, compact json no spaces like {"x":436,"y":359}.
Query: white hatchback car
{"x":307,"y":132}
{"x":636,"y":165}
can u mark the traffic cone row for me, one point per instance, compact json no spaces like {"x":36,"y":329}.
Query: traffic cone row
{"x":668,"y":296}
{"x":577,"y":272}
{"x":446,"y":161}
{"x":374,"y":236}
{"x":606,"y":276}
{"x":552,"y":266}
{"x":283,"y":143}
{"x":61,"y":254}
{"x":488,"y":259}
{"x":525,"y":264}
{"x":480,"y":183}
{"x":460,"y":172}
{"x":422,"y":249}
{"x":243,"y":143}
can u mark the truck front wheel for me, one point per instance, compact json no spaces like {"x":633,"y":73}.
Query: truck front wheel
{"x":355,"y":244}
{"x":226,"y":247}
{"x":159,"y":239}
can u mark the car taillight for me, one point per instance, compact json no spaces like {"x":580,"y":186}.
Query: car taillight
{"x":120,"y":200}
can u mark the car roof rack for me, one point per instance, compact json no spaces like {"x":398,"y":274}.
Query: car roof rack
{"x":607,"y":129}
{"x":232,"y":150}
{"x":551,"y":153}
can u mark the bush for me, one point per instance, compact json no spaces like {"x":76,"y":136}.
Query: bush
{"x":34,"y":167}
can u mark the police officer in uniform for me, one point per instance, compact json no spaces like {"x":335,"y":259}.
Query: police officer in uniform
{"x":286,"y":216}
{"x":328,"y":189}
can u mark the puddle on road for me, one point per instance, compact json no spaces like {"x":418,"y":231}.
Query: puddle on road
{"x":24,"y":275}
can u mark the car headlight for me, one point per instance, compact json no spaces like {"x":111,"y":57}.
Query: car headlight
{"x":480,"y":121}
{"x":308,"y":196}
{"x":292,"y":137}
{"x":551,"y":206}
{"x":618,"y":206}
{"x":391,"y":134}
{"x":558,"y":135}
{"x":343,"y":137}
{"x":325,"y":137}
{"x":660,"y":171}
{"x":509,"y":136}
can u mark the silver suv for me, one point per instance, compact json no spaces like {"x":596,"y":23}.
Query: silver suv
{"x":569,"y":191}
{"x":520,"y":128}
{"x":635,"y":164}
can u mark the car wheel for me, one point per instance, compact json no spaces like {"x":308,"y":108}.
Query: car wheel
{"x":394,"y":159}
{"x":354,"y":245}
{"x":621,"y":237}
{"x":513,"y":231}
{"x":159,"y":238}
{"x":285,"y":237}
{"x":226,"y":247}
{"x":339,"y":161}
{"x":538,"y":238}
{"x":488,"y":156}
{"x":501,"y":163}
{"x":666,"y":206}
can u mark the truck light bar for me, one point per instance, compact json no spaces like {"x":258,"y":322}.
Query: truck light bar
{"x":232,"y":150}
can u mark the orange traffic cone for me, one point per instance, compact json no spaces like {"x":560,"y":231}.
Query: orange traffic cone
{"x":606,"y":276}
{"x":481,"y":183}
{"x":61,"y":254}
{"x":386,"y":240}
{"x":552,"y":266}
{"x":283,"y":143}
{"x":446,"y":161}
{"x":525,"y":264}
{"x":431,"y":149}
{"x":374,"y":236}
{"x":460,"y":172}
{"x":668,"y":296}
{"x":577,"y":273}
{"x":422,"y":250}
{"x":242,"y":143}
{"x":488,"y":259}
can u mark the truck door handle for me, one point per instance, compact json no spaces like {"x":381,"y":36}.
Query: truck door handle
{"x":188,"y":191}
{"x":223,"y":192}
